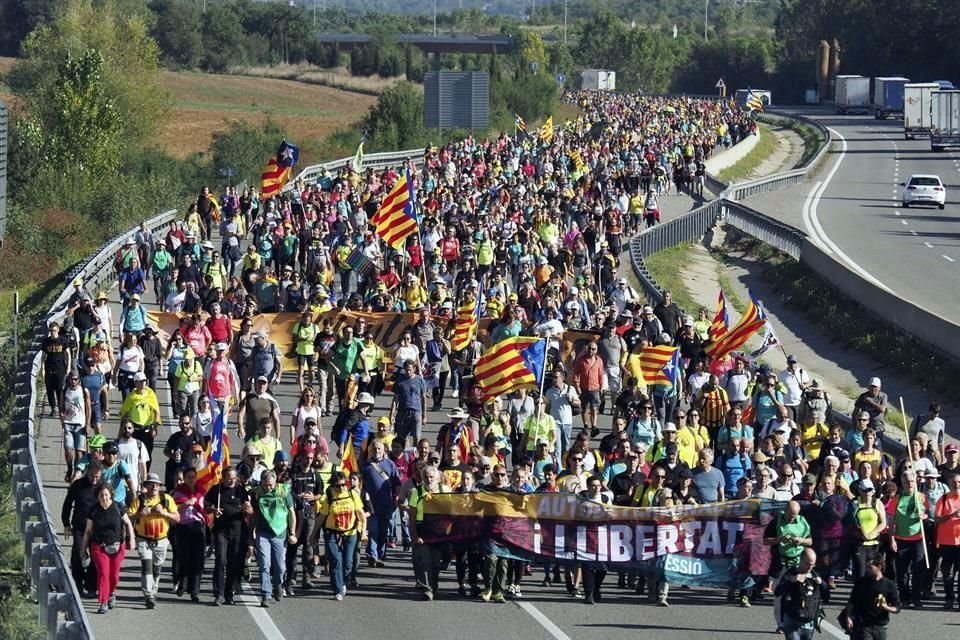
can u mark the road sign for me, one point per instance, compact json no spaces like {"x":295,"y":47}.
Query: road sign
{"x":228,"y":172}
{"x":720,"y":84}
{"x":561,"y":78}
{"x":534,"y":66}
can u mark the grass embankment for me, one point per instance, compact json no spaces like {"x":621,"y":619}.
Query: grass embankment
{"x":745,"y":167}
{"x":844,"y":319}
{"x":667,"y":268}
{"x":337,"y":78}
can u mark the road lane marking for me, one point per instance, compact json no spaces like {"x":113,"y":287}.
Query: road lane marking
{"x":904,"y":222}
{"x":544,"y":621}
{"x":928,"y":245}
{"x":260,"y":617}
{"x":814,"y":199}
{"x":912,"y":232}
{"x":947,"y":258}
{"x":895,"y":212}
{"x":833,"y":630}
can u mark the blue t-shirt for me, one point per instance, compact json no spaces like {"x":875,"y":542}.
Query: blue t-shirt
{"x":379,"y":486}
{"x":708,"y":484}
{"x":734,"y":466}
{"x":115,"y":476}
{"x":409,"y":393}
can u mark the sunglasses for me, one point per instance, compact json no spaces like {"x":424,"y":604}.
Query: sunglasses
{"x":500,"y":475}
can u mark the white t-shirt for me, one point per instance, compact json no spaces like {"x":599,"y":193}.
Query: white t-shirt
{"x":792,"y":382}
{"x":302,"y":414}
{"x":132,"y":453}
{"x":131,"y":359}
{"x":697,"y":380}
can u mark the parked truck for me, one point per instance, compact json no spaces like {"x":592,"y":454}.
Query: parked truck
{"x":916,"y":108}
{"x":944,"y":120}
{"x":598,"y":80}
{"x":888,"y":97}
{"x":852,"y":94}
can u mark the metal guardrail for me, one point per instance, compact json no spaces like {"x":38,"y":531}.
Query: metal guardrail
{"x":777,"y":181}
{"x":60,"y":610}
{"x":764,"y":228}
{"x":374,"y":160}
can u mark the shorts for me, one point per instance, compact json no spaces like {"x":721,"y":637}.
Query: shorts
{"x":303,"y":360}
{"x":590,"y":399}
{"x":74,"y":437}
{"x":96,"y":415}
{"x":408,"y":423}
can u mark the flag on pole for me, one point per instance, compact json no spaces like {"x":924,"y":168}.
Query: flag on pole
{"x":396,"y":218}
{"x":279,"y":169}
{"x":655,"y":363}
{"x":770,"y":340}
{"x":721,"y":319}
{"x":577,"y":158}
{"x":546,"y":131}
{"x":754,"y":102}
{"x":511,"y":364}
{"x":348,"y":457}
{"x":467,"y":323}
{"x":218,"y":451}
{"x":360,"y":263}
{"x":357,"y":162}
{"x":519,"y":122}
{"x":752,"y":320}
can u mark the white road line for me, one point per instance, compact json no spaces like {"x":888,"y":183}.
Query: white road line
{"x":544,"y":621}
{"x":814,"y":198}
{"x":833,"y":630}
{"x":260,"y":617}
{"x":928,"y":245}
{"x":912,"y":232}
{"x":947,"y":258}
{"x":895,"y":212}
{"x":904,"y":222}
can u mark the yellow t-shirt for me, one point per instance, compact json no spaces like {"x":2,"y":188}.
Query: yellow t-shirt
{"x":341,"y":512}
{"x":154,"y":526}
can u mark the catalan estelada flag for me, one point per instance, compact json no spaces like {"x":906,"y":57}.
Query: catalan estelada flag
{"x":577,"y":158}
{"x":754,"y":103}
{"x":546,"y":131}
{"x":273,"y":178}
{"x":396,"y":218}
{"x":511,"y":364}
{"x":218,"y":451}
{"x":467,"y":322}
{"x":721,"y":319}
{"x":348,"y":457}
{"x":519,"y":122}
{"x":655,"y":362}
{"x":752,"y":321}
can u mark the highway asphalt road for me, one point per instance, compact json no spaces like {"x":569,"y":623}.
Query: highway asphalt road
{"x":386,"y":605}
{"x":851,"y":207}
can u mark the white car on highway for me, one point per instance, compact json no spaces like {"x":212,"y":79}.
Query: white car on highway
{"x":923,"y":189}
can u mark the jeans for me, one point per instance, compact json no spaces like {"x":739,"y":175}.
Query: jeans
{"x":229,"y":552}
{"x":949,"y":566}
{"x":85,"y":577}
{"x":378,"y":528}
{"x":860,"y":559}
{"x":190,"y":555}
{"x":400,"y":526}
{"x":271,"y":552}
{"x":869,"y":633}
{"x":793,"y":633}
{"x":303,"y":546}
{"x":108,"y":570}
{"x":152,"y":553}
{"x":566,"y":438}
{"x":340,"y":550}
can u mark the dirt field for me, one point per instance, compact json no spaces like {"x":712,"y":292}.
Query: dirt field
{"x":203,"y":103}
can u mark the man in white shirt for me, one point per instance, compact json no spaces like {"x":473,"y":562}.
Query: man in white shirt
{"x":560,"y":398}
{"x":736,"y":382}
{"x":782,"y":424}
{"x":133,"y":454}
{"x":794,"y":380}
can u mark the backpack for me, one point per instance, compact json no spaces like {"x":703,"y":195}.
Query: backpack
{"x":804,"y":601}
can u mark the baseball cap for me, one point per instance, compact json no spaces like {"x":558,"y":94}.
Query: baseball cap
{"x":139,"y":376}
{"x":222,"y":346}
{"x":951,"y":448}
{"x":78,"y":282}
{"x":262,"y":379}
{"x":383,"y":420}
{"x":791,"y":358}
{"x":809,"y":479}
{"x":867,"y":485}
{"x":622,"y":281}
{"x":135,"y":296}
{"x":874,"y":382}
{"x":670,"y":427}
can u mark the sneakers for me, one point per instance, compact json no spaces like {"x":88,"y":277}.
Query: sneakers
{"x":288,"y":591}
{"x":588,"y":599}
{"x":277,"y":594}
{"x":486,"y":595}
{"x":150,"y":603}
{"x":731,"y":595}
{"x":428,"y":596}
{"x":462,"y":591}
{"x":498,"y":597}
{"x":103,"y":608}
{"x":112,"y":602}
{"x":338,"y":597}
{"x":745,"y":602}
{"x":216,"y":601}
{"x":264,"y":603}
{"x":662,"y":602}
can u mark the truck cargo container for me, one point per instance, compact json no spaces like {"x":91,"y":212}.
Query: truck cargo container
{"x":888,"y":97}
{"x":944,"y":120}
{"x":916,"y":108}
{"x":852,"y":94}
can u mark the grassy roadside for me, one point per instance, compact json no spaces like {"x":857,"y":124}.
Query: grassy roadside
{"x":743,"y":168}
{"x":837,"y":315}
{"x":667,"y":268}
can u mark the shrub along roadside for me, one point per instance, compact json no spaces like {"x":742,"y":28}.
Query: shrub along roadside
{"x":845,"y":319}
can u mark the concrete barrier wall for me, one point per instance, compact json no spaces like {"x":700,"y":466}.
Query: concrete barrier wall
{"x":934,"y":330}
{"x":733,"y":155}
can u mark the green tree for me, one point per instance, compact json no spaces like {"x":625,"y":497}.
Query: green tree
{"x":177,"y":31}
{"x":245,"y":147}
{"x":396,"y":120}
{"x":130,"y":71}
{"x":222,"y":37}
{"x":741,"y":62}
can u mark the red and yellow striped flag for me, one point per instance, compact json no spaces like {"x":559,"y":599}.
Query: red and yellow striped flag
{"x":652,"y":361}
{"x":466,"y":325}
{"x":396,"y":218}
{"x":721,"y":319}
{"x":752,"y":321}
{"x":348,"y":457}
{"x":511,"y":364}
{"x":273,"y":178}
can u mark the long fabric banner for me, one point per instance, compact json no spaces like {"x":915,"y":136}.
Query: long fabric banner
{"x":387,"y":328}
{"x":706,"y":545}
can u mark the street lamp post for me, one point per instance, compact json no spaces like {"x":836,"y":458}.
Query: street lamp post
{"x":564,"y":22}
{"x":434,"y":18}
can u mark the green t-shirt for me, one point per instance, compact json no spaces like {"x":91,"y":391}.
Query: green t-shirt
{"x":344,"y":356}
{"x":272,"y":509}
{"x":906,"y":519}
{"x":799,"y":528}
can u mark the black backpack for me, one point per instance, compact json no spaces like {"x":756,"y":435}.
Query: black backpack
{"x":804,"y":601}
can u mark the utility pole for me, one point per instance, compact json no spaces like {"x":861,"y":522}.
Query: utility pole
{"x":434,"y":18}
{"x":706,"y":19}
{"x":564,"y":22}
